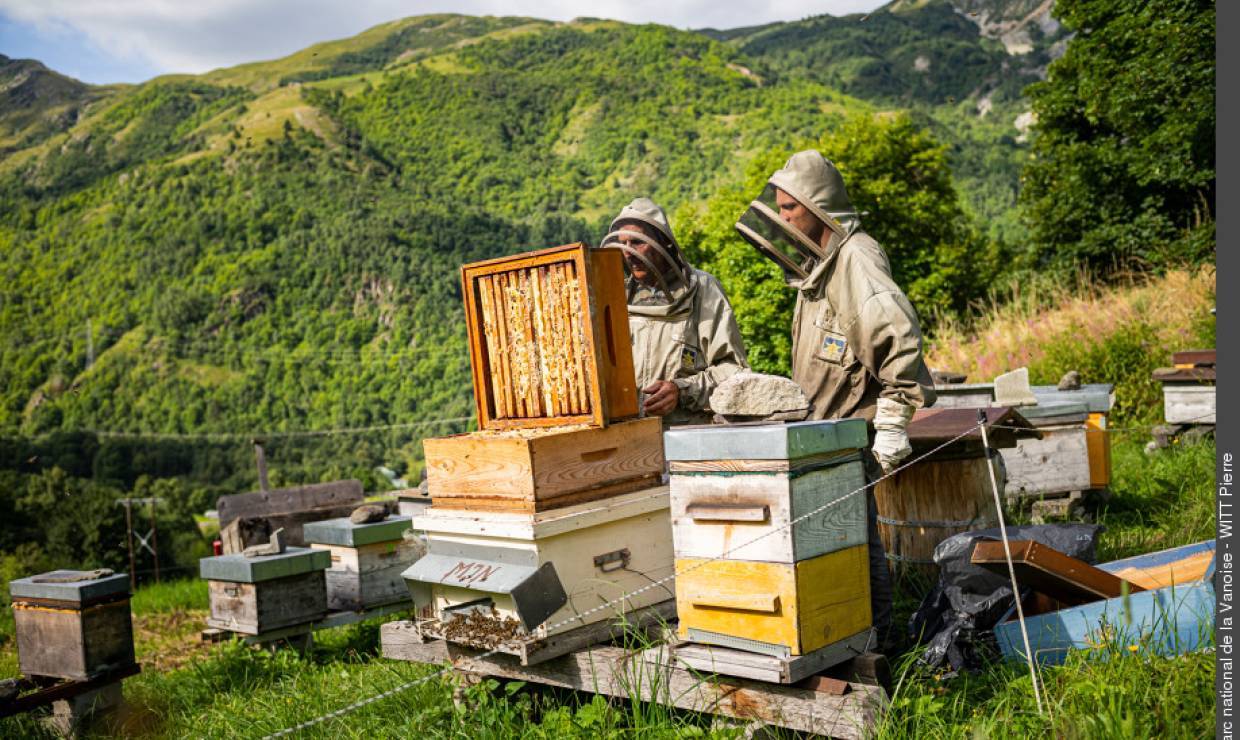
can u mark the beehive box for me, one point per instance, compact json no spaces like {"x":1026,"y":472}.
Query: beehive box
{"x":549,"y":338}
{"x":260,"y":594}
{"x":736,"y":507}
{"x":72,"y":629}
{"x":542,"y":573}
{"x":533,"y":470}
{"x":776,"y":609}
{"x":366,"y":560}
{"x":1060,"y":461}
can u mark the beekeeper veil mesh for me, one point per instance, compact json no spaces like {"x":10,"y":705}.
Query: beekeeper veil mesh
{"x":813,"y":182}
{"x":656,"y":273}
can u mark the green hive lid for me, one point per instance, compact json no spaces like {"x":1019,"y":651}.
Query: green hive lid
{"x":345,"y":533}
{"x":58,"y":586}
{"x":764,"y":441}
{"x":240,"y":569}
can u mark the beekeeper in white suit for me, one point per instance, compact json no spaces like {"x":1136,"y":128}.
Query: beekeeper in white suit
{"x":685,"y":339}
{"x":856,"y":342}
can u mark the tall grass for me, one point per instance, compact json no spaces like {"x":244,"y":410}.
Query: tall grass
{"x":1109,"y":334}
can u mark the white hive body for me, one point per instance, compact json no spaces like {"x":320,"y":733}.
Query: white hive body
{"x":545,"y":574}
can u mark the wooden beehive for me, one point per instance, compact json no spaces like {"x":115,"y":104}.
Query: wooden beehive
{"x":532,"y":470}
{"x":546,"y":571}
{"x":549,"y":338}
{"x":259,"y":594}
{"x":366,"y":560}
{"x":768,"y":607}
{"x":1058,"y":462}
{"x":72,"y":629}
{"x":740,"y":509}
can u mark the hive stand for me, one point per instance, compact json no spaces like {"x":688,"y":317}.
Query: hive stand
{"x":836,"y":705}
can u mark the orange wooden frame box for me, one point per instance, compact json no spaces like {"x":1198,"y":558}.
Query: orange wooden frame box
{"x":549,"y":338}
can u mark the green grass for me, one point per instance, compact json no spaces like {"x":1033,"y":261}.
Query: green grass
{"x":230,"y":690}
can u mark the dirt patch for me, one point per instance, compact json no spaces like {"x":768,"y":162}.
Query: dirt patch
{"x":168,"y":640}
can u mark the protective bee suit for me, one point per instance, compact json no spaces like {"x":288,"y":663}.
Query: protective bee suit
{"x":682,"y":326}
{"x":856,"y":341}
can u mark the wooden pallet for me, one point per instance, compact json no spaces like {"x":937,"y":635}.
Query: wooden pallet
{"x":820,"y":705}
{"x":40,"y":691}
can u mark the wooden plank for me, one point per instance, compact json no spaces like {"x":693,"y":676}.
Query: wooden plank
{"x":614,"y":671}
{"x":1098,"y":445}
{"x":815,"y":601}
{"x":1162,"y":575}
{"x":67,"y":690}
{"x":1048,"y":571}
{"x":1057,"y":463}
{"x":1194,"y":358}
{"x":289,"y":500}
{"x":1185,"y":374}
{"x":784,"y":498}
{"x":537,"y":467}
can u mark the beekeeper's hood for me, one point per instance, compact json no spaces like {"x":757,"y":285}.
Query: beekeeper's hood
{"x":810,"y":179}
{"x":656,"y":273}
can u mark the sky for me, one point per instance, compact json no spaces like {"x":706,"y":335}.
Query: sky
{"x":102,"y":41}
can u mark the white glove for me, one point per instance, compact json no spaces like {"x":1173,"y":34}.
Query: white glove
{"x":891,"y":443}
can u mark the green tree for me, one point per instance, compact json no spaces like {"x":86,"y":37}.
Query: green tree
{"x":899,"y":180}
{"x":1122,"y":168}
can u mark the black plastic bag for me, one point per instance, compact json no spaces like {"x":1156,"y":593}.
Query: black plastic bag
{"x":957,"y":616}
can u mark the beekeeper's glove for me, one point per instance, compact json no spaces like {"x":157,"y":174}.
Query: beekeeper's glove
{"x":891,"y":438}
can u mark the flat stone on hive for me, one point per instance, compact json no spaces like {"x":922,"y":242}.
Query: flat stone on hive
{"x":756,"y":394}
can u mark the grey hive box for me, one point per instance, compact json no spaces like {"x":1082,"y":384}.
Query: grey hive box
{"x":735,"y":488}
{"x":73,"y":630}
{"x":1058,"y":462}
{"x":257,"y":595}
{"x":366,"y":560}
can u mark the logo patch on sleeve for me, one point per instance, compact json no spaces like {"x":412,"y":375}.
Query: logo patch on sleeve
{"x":689,"y":357}
{"x":833,"y":346}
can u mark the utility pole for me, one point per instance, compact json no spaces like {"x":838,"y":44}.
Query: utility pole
{"x":262,"y":464}
{"x":90,"y":346}
{"x":154,"y":539}
{"x":133,"y":576}
{"x":147,"y":541}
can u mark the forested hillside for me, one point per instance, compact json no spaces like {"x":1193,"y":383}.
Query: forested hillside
{"x":274,"y":246}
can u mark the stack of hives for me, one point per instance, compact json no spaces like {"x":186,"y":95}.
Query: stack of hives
{"x":756,"y":595}
{"x":555,"y":506}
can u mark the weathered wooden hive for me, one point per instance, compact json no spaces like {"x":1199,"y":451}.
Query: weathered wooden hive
{"x":72,"y":624}
{"x":744,"y":579}
{"x":1188,"y":387}
{"x":253,"y":595}
{"x":549,"y":338}
{"x":366,"y":560}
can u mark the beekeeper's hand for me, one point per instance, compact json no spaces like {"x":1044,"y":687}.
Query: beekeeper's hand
{"x":891,"y":443}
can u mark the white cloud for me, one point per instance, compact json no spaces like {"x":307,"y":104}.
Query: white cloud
{"x":180,"y":36}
